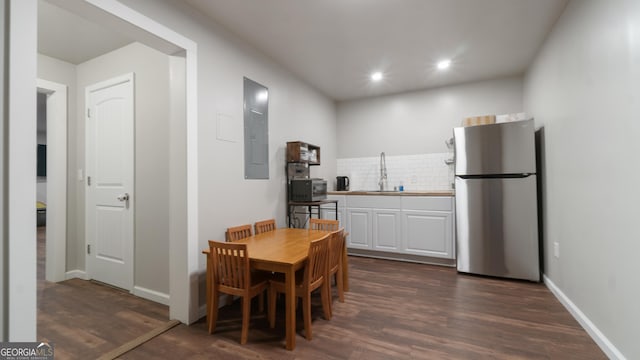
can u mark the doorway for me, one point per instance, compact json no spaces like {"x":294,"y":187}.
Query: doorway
{"x":183,"y":299}
{"x":52,"y":178}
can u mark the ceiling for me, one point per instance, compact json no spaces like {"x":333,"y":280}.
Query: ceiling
{"x":335,"y":45}
{"x":66,"y":36}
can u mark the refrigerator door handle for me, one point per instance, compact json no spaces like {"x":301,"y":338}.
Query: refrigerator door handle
{"x":497,"y":176}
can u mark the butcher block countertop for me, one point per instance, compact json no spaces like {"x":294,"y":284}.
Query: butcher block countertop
{"x":396,"y":193}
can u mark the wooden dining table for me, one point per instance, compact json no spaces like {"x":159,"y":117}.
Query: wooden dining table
{"x":284,"y":251}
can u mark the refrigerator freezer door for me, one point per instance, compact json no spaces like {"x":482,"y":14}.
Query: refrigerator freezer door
{"x":497,"y":227}
{"x":506,"y":148}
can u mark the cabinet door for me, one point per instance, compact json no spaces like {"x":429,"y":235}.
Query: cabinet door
{"x":330,"y":213}
{"x":428,"y":233}
{"x":386,"y":230}
{"x":359,"y":228}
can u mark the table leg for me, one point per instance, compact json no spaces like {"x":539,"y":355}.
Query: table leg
{"x":290,"y":283}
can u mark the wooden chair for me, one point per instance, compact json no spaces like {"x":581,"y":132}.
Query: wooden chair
{"x":313,"y":277}
{"x":232,"y":275}
{"x":322,"y":224}
{"x":265,"y":226}
{"x":239,"y":232}
{"x":336,"y":249}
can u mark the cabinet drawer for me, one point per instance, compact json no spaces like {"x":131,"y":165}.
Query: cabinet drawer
{"x":379,"y":202}
{"x":427,"y":203}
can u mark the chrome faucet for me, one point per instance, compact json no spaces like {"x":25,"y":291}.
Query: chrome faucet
{"x":383,"y":172}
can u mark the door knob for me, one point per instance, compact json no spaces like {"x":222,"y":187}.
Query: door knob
{"x":124,"y":197}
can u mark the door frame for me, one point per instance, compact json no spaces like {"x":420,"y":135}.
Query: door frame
{"x":183,"y":255}
{"x":19,"y":297}
{"x":89,"y":211}
{"x":56,"y":215}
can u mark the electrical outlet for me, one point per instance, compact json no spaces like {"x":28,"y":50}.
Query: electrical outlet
{"x":556,"y":249}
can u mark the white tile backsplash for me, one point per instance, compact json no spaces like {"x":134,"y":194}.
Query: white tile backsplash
{"x":414,"y":172}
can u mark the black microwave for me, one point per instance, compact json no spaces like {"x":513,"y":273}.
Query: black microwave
{"x":307,"y":189}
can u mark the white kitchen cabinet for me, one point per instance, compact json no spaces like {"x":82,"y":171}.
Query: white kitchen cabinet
{"x":330,"y":214}
{"x":428,"y":233}
{"x":373,"y":222}
{"x":427,"y":226}
{"x":328,"y":211}
{"x":401,"y":227}
{"x":386,"y":232}
{"x":359,"y":228}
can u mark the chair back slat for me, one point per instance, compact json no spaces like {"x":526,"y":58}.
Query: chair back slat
{"x":317,"y":260}
{"x":265,"y":226}
{"x":230,"y":264}
{"x":239,"y":232}
{"x":336,"y":247}
{"x":323,"y":224}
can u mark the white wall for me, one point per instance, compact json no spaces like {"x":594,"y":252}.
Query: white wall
{"x":584,"y":89}
{"x":296,"y":112}
{"x":419,"y":122}
{"x":151,"y":194}
{"x":20,"y":317}
{"x":3,"y":239}
{"x":65,"y":73}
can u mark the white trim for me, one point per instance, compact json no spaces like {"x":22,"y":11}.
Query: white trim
{"x":184,"y":305}
{"x":20,"y":173}
{"x":56,"y":233}
{"x":609,"y":349}
{"x":143,"y":22}
{"x":76,"y":274}
{"x":192,"y":182}
{"x":152,"y":295}
{"x":4,"y":264}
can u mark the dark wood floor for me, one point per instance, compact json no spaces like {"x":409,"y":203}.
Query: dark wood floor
{"x":84,"y":319}
{"x":403,"y":311}
{"x":394,"y":311}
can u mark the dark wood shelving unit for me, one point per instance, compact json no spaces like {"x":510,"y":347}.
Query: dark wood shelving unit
{"x":303,"y":153}
{"x":300,"y":156}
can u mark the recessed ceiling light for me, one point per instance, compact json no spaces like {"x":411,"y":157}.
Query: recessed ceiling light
{"x":444,"y":64}
{"x":376,"y":76}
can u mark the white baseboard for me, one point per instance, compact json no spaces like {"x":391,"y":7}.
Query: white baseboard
{"x":76,"y":274}
{"x":152,"y":295}
{"x":607,"y":347}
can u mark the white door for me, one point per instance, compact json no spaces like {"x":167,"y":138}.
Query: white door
{"x":110,"y":181}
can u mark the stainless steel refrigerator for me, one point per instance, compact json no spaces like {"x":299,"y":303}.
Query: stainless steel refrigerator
{"x":496,"y":200}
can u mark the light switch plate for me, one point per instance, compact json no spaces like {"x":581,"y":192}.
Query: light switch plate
{"x":556,"y":249}
{"x":80,"y":175}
